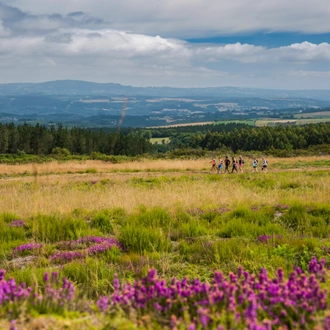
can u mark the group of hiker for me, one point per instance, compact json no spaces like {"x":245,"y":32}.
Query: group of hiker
{"x":236,"y":165}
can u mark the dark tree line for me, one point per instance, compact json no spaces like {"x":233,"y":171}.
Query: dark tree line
{"x":257,"y":138}
{"x":174,"y":131}
{"x":40,"y":140}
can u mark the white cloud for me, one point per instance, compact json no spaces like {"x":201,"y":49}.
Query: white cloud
{"x":303,"y":52}
{"x":76,"y":45}
{"x":120,"y":44}
{"x":235,"y":52}
{"x":109,"y":43}
{"x":193,"y":18}
{"x":105,"y":54}
{"x":4,"y":32}
{"x":309,"y":74}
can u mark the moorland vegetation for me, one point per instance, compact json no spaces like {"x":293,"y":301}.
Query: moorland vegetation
{"x":151,"y":244}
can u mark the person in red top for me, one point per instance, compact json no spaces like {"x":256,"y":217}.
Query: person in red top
{"x":240,"y":163}
{"x":214,"y":166}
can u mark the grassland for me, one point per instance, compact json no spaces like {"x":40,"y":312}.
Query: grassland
{"x":319,"y":114}
{"x":160,"y":140}
{"x":169,"y":215}
{"x":299,"y":120}
{"x":250,"y":122}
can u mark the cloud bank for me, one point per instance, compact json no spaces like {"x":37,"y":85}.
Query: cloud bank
{"x":82,"y":44}
{"x":190,"y":18}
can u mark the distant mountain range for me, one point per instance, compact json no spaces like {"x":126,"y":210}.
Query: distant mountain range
{"x":89,"y":104}
{"x":76,"y":87}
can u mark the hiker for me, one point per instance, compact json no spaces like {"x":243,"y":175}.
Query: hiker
{"x":227,"y":163}
{"x":234,"y":162}
{"x":214,"y":164}
{"x":255,"y":165}
{"x":220,"y":165}
{"x":240,"y":163}
{"x":264,"y":165}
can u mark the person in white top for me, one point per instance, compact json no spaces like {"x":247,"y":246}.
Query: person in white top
{"x":264,"y":165}
{"x":255,"y":165}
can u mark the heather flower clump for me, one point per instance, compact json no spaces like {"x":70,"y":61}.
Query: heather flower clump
{"x":26,"y":247}
{"x":68,"y":251}
{"x":238,"y":301}
{"x":86,"y":242}
{"x":55,"y":296}
{"x":266,"y":238}
{"x":17,"y":223}
{"x":90,"y":245}
{"x":105,"y":245}
{"x":241,"y":300}
{"x":66,"y":256}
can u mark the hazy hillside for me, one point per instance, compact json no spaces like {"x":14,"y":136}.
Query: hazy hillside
{"x":88,"y":104}
{"x":76,"y":87}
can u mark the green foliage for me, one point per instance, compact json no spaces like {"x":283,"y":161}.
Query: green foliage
{"x":297,"y":219}
{"x":290,"y":185}
{"x":94,"y":275}
{"x":156,"y":217}
{"x":233,"y":250}
{"x":9,"y":234}
{"x":140,"y":239}
{"x":200,"y":251}
{"x":91,"y":170}
{"x":314,"y":223}
{"x":8,"y":217}
{"x":322,"y":211}
{"x":31,"y":275}
{"x":103,"y":221}
{"x":60,"y":152}
{"x":193,"y":228}
{"x":241,"y":228}
{"x":51,"y":229}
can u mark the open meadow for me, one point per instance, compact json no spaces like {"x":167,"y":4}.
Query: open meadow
{"x":141,"y":245}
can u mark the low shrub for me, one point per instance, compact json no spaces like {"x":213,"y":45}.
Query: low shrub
{"x":139,"y":239}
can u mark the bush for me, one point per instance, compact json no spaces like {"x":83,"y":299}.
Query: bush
{"x":140,"y":239}
{"x":102,"y":221}
{"x":155,"y":217}
{"x":60,"y":152}
{"x":53,"y":228}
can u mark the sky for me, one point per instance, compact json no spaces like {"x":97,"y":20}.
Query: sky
{"x":279,"y":44}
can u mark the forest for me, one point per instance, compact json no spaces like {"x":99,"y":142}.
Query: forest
{"x":40,"y":140}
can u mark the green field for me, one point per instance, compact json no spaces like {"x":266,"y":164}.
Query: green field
{"x":314,"y":115}
{"x":160,"y":140}
{"x":246,"y":122}
{"x":298,"y":121}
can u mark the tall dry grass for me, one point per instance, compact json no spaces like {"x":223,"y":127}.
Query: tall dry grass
{"x":27,"y":196}
{"x":100,"y":166}
{"x":141,"y":165}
